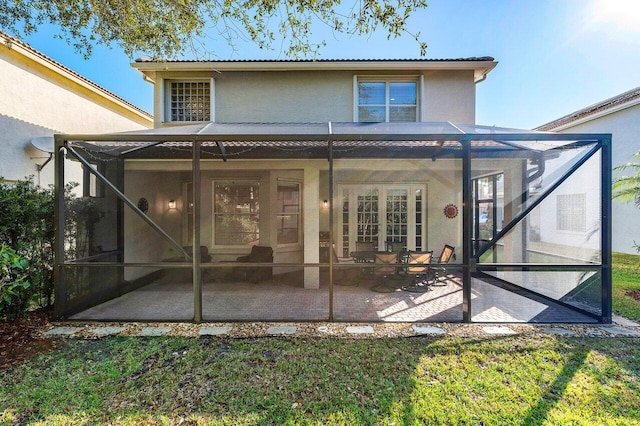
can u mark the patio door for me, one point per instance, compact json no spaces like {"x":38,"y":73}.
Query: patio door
{"x":488,"y":209}
{"x":382,"y":214}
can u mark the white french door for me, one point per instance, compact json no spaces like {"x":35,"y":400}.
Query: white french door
{"x":381,"y":213}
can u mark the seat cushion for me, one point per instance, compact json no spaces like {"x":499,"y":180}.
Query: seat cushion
{"x":261,"y":254}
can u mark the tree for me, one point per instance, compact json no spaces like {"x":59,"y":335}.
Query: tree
{"x":627,"y":188}
{"x":166,"y":29}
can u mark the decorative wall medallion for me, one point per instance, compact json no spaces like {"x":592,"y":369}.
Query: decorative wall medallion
{"x":451,"y":211}
{"x":143,"y":205}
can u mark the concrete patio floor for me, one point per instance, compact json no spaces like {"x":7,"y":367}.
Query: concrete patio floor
{"x":284,"y":299}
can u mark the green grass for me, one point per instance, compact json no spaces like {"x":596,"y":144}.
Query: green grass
{"x":626,"y":278}
{"x":515,"y":380}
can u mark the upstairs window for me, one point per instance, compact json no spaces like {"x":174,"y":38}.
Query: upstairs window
{"x":188,"y":101}
{"x":387,"y":100}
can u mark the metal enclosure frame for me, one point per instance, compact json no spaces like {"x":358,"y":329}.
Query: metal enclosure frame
{"x":325,"y":136}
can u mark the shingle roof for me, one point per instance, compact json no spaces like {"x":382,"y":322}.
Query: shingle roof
{"x":599,"y":107}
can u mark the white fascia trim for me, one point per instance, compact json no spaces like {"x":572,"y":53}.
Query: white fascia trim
{"x":595,"y":115}
{"x":480,"y":68}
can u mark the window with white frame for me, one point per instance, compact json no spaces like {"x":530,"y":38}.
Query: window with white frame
{"x":288,"y":213}
{"x":188,"y":100}
{"x":571,"y":213}
{"x":387,"y":100}
{"x":236,"y":213}
{"x":92,"y":186}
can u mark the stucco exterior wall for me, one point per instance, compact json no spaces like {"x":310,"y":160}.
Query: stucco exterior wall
{"x":284,"y":97}
{"x":318,"y":96}
{"x":449,"y":96}
{"x":36,"y":100}
{"x":624,"y":126}
{"x":161,"y":181}
{"x":584,"y":181}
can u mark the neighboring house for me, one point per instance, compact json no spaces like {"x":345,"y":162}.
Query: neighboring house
{"x":296,"y":156}
{"x":29,"y":84}
{"x":620,"y":116}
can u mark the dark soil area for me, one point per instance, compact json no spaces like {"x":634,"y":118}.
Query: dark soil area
{"x":635,"y":294}
{"x":18,"y":341}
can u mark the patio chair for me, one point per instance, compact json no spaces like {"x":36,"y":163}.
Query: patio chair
{"x":365,"y":253}
{"x":441,"y":271}
{"x":343,"y":276}
{"x":183,"y":274}
{"x":365,"y":247}
{"x":387,"y":271}
{"x":423,"y":276}
{"x":259,"y":254}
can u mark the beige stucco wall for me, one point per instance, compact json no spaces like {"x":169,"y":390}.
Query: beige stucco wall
{"x":624,"y":126}
{"x":159,"y":181}
{"x":319,"y":96}
{"x":278,"y":97}
{"x":36,"y":99}
{"x":449,"y":96}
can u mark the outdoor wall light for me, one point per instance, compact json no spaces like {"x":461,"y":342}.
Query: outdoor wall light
{"x":172,"y":204}
{"x":325,"y":203}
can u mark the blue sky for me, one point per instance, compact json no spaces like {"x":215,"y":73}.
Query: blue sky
{"x":555,"y":56}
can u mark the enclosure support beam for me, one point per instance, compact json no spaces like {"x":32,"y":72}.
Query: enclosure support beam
{"x":58,"y":212}
{"x":195,"y":238}
{"x":223,"y":151}
{"x":605,"y":226}
{"x":541,"y":197}
{"x":467,"y":234}
{"x":331,"y":195}
{"x":128,"y":202}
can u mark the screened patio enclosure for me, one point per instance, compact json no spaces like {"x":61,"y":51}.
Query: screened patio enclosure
{"x":334,"y":221}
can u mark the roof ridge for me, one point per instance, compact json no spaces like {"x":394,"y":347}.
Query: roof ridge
{"x":9,"y":40}
{"x":604,"y":105}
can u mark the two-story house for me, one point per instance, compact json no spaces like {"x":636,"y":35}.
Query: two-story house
{"x":319,"y":168}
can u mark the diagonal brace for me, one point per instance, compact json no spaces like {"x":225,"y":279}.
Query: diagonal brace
{"x":129,"y":203}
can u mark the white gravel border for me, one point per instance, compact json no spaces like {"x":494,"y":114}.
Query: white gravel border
{"x":243,"y":330}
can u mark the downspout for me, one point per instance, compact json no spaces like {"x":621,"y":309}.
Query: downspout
{"x":539,"y":171}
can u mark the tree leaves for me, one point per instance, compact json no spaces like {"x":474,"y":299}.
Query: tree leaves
{"x":627,"y":188}
{"x":166,"y":30}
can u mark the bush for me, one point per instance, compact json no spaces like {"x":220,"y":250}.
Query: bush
{"x":27,"y":228}
{"x":13,"y":282}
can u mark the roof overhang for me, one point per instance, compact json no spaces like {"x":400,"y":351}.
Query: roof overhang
{"x":310,"y":140}
{"x":480,"y":66}
{"x":601,"y":109}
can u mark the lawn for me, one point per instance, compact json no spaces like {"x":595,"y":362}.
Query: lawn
{"x":626,"y":283}
{"x":506,"y":380}
{"x":516,"y":380}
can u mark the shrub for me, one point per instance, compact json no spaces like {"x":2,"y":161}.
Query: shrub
{"x":13,"y":282}
{"x":27,"y":227}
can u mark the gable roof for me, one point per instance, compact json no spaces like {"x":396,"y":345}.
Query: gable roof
{"x":608,"y":106}
{"x":34,"y":55}
{"x":481,"y":65}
